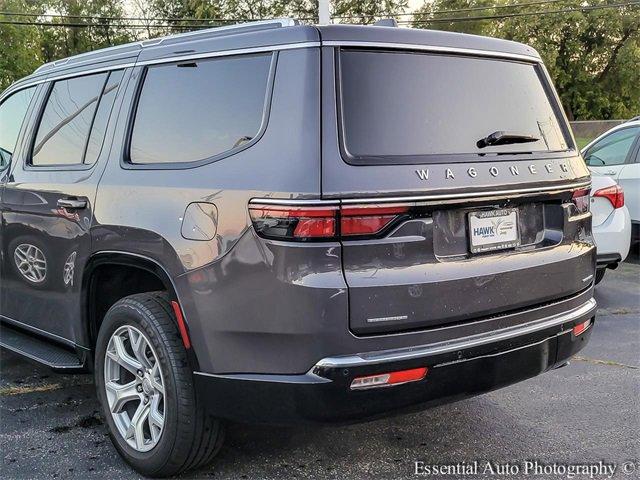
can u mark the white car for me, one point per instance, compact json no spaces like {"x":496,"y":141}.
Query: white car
{"x":611,"y":224}
{"x":616,"y":154}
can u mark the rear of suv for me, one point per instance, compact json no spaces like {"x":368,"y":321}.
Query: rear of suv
{"x":278,"y":223}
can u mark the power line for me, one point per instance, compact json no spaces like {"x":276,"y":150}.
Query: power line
{"x":469,"y":9}
{"x":99,"y":25}
{"x":522,"y":14}
{"x":404,"y":22}
{"x":194,"y":19}
{"x":153,"y":19}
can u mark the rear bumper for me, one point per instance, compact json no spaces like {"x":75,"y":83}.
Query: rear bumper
{"x":457,"y":369}
{"x":613,"y":238}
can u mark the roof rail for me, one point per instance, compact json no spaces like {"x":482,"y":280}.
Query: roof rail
{"x":386,"y":22}
{"x":230,"y":29}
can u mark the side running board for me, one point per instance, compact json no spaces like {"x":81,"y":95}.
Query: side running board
{"x":40,"y":350}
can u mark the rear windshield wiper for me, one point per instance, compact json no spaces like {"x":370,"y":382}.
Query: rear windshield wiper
{"x":504,"y":138}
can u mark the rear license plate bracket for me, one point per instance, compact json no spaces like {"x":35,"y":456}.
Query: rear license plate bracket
{"x":491,"y":230}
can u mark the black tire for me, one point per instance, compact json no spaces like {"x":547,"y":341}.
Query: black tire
{"x":190,"y":437}
{"x":600,"y":274}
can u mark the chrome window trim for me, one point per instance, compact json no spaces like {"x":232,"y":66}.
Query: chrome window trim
{"x":120,"y":66}
{"x":228,"y":53}
{"x":375,"y":358}
{"x":434,"y":49}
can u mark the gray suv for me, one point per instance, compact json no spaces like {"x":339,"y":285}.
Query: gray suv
{"x":281,"y":223}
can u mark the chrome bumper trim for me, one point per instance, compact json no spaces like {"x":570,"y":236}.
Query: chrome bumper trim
{"x":373,"y":358}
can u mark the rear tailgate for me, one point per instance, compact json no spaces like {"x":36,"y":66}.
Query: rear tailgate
{"x":401,"y":127}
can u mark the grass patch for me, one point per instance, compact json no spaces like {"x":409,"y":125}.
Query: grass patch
{"x":583,"y":141}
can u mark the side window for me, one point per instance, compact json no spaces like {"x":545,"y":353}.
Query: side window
{"x":612,"y":149}
{"x":12,"y":112}
{"x":74,"y":120}
{"x":196,"y":110}
{"x":96,"y":138}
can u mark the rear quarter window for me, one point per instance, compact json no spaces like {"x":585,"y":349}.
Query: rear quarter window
{"x":412,"y":107}
{"x":197,"y":111}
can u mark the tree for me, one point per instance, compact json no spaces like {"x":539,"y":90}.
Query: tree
{"x":367,"y":11}
{"x":86,"y":34}
{"x":592,"y":55}
{"x":20,"y":52}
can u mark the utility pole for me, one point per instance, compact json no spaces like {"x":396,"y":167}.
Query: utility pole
{"x":323,"y":9}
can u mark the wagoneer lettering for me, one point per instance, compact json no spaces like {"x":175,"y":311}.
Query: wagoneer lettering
{"x":403,"y":230}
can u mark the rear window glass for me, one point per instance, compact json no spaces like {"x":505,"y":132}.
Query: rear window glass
{"x":196,"y":110}
{"x":417,"y":106}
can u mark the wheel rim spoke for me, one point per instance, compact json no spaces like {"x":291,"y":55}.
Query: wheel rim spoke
{"x":156,"y":419}
{"x":134,"y":387}
{"x":119,"y":355}
{"x":139,"y":346}
{"x":121,"y":395}
{"x":31,"y":262}
{"x":156,"y":379}
{"x":135,"y":431}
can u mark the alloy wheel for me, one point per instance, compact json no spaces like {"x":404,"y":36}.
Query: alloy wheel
{"x":134,"y":386}
{"x":31,"y":262}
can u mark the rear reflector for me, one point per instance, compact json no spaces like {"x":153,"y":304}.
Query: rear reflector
{"x":388,"y":379}
{"x":323,"y":222}
{"x":580,"y":328}
{"x":182,"y":327}
{"x":614,"y":194}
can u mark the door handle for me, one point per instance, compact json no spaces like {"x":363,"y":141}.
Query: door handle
{"x":610,"y":172}
{"x":72,"y":203}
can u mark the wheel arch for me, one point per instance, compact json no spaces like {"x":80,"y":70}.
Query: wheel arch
{"x":151,"y":274}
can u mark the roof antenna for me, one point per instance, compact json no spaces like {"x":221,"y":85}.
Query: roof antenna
{"x":386,"y":22}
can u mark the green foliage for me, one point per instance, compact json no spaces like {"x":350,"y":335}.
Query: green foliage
{"x":367,"y":11}
{"x":592,"y":56}
{"x":19,"y":46}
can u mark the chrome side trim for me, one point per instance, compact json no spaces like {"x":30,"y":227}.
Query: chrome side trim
{"x":421,"y":198}
{"x":374,"y":358}
{"x":433,"y":48}
{"x":483,"y":194}
{"x":292,"y":202}
{"x":225,"y":53}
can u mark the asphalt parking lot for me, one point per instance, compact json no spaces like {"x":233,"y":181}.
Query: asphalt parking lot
{"x":585,"y":413}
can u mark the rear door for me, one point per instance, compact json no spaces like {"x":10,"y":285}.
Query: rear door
{"x":48,"y":201}
{"x":609,"y":155}
{"x":443,"y":228}
{"x":629,"y":179}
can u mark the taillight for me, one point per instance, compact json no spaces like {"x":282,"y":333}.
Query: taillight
{"x":368,"y":220}
{"x":614,"y":194}
{"x":309,"y":223}
{"x":580,"y":199}
{"x":294,"y":223}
